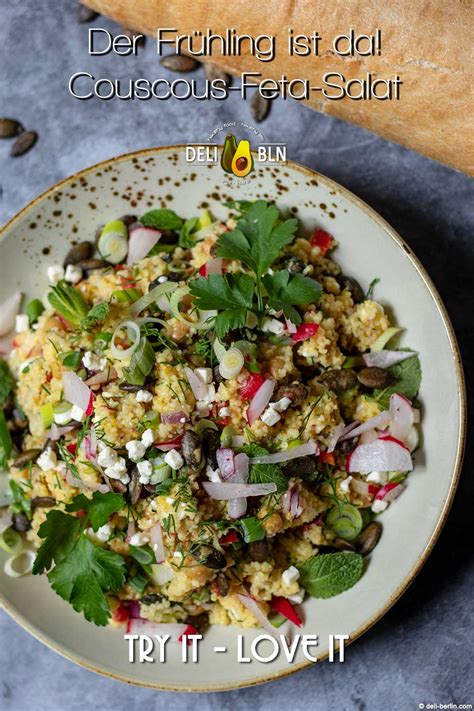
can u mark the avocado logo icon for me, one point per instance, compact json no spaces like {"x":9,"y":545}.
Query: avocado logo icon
{"x":237,"y":159}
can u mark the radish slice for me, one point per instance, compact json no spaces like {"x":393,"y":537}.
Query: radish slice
{"x":303,"y":450}
{"x":389,"y":492}
{"x":156,"y":537}
{"x":238,"y":507}
{"x":254,"y":608}
{"x":223,"y":491}
{"x":213,"y":266}
{"x":385,"y":359}
{"x":401,"y":414}
{"x":225,"y":462}
{"x":384,"y":455}
{"x":290,"y":327}
{"x":381,"y":421}
{"x":76,"y":391}
{"x":140,"y":241}
{"x":8,"y":312}
{"x":173,"y":418}
{"x":295,"y":508}
{"x":174,"y":629}
{"x":6,"y":345}
{"x":335,"y":436}
{"x":170,"y":444}
{"x":102,"y":377}
{"x":260,"y":400}
{"x":90,"y":455}
{"x":55,"y":432}
{"x":368,"y":436}
{"x":198,"y":385}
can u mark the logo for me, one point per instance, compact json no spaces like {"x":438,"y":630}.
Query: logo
{"x":237,"y":156}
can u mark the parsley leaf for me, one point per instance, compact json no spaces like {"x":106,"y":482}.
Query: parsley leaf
{"x":264,"y":473}
{"x":6,"y":381}
{"x":185,"y":236}
{"x":95,"y":315}
{"x":286,"y":290}
{"x":162,"y":219}
{"x":330,"y":574}
{"x":258,"y":237}
{"x":68,"y":302}
{"x":407,"y":383}
{"x":233,"y":293}
{"x":60,"y":532}
{"x":99,"y":508}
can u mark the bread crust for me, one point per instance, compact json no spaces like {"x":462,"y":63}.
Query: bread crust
{"x":426,"y":43}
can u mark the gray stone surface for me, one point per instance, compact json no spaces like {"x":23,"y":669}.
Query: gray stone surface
{"x":419,"y":652}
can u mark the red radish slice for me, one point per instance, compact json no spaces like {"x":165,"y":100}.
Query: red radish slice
{"x":368,"y":436}
{"x":225,"y":462}
{"x":251,"y":385}
{"x":170,"y":444}
{"x":381,"y":421}
{"x":140,"y":241}
{"x":389,"y":492}
{"x":260,"y":400}
{"x":198,"y":386}
{"x":76,"y":391}
{"x":304,"y":331}
{"x":88,"y":449}
{"x":290,"y":326}
{"x":303,"y":450}
{"x":402,"y":417}
{"x":174,"y":629}
{"x":385,"y":359}
{"x":213,"y":266}
{"x":384,"y":455}
{"x":389,"y":438}
{"x":156,"y":537}
{"x":223,"y":491}
{"x":8,"y":312}
{"x":254,"y":608}
{"x":285,"y":608}
{"x":173,"y":418}
{"x":238,"y":507}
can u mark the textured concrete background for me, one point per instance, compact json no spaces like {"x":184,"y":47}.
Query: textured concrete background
{"x":419,"y":653}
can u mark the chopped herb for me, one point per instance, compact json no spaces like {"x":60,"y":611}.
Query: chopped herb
{"x":186,"y":239}
{"x":329,"y":574}
{"x":370,"y":290}
{"x":20,"y":503}
{"x":68,"y":302}
{"x":252,"y":529}
{"x":162,"y":219}
{"x":264,"y":473}
{"x":95,"y":315}
{"x":407,"y":382}
{"x":127,"y":296}
{"x":286,"y":290}
{"x":71,"y":359}
{"x":34,"y":309}
{"x":231,"y":293}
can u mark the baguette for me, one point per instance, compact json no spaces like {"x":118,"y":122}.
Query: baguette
{"x":427,"y":44}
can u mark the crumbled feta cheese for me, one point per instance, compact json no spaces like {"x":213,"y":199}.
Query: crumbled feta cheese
{"x":118,"y":471}
{"x":162,"y":279}
{"x":143,"y":396}
{"x":280,"y":405}
{"x":379,"y":505}
{"x":139,"y":539}
{"x":224,"y":412}
{"x":135,"y":449}
{"x":55,"y":273}
{"x":177,"y":554}
{"x":107,"y":456}
{"x":145,"y":469}
{"x":204,"y":373}
{"x":174,"y":459}
{"x":77,"y":413}
{"x":345,"y":485}
{"x":73,"y":274}
{"x":91,"y":361}
{"x":22,"y":323}
{"x":290,"y":575}
{"x":272,"y":325}
{"x":211,"y":393}
{"x":170,"y":500}
{"x":213,"y":474}
{"x":270,"y":417}
{"x":47,"y":460}
{"x":103,"y":533}
{"x":378,"y":477}
{"x":203,"y":408}
{"x":148,"y":437}
{"x":297,"y":598}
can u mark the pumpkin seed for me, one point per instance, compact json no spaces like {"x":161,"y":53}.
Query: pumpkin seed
{"x":134,"y":488}
{"x":368,"y":538}
{"x":10,"y":128}
{"x":179,"y":63}
{"x":211,"y":441}
{"x":23,"y":459}
{"x":354,"y":287}
{"x":374,"y":377}
{"x":23,"y":143}
{"x":20,"y":522}
{"x":222,"y":584}
{"x":116,"y":485}
{"x":259,"y":550}
{"x":338,"y":380}
{"x":191,"y":448}
{"x":79,"y":252}
{"x":89,"y":265}
{"x":43,"y":502}
{"x":297,"y":393}
{"x":213,"y":71}
{"x":208,"y":556}
{"x":301,"y":466}
{"x":260,"y":107}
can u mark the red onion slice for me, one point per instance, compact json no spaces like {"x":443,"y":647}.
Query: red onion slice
{"x":402,"y":417}
{"x":225,"y":462}
{"x":140,"y":241}
{"x":170,"y":444}
{"x":198,"y":386}
{"x":8,"y":312}
{"x":223,"y":491}
{"x":295,"y":508}
{"x":156,"y":537}
{"x":260,"y":400}
{"x":76,"y":391}
{"x":303,"y":450}
{"x":380,"y":421}
{"x":174,"y":418}
{"x":254,"y":608}
{"x":385,"y":359}
{"x":383,"y":455}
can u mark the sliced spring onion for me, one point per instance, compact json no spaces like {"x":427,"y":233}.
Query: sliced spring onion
{"x":252,"y":529}
{"x":231,"y":364}
{"x":384,"y":338}
{"x":151,"y":297}
{"x":34,"y":309}
{"x":62,"y":413}
{"x":219,"y":349}
{"x":11,"y":542}
{"x":227,"y":436}
{"x":101,"y":341}
{"x":113,"y":243}
{"x":20,"y":564}
{"x":205,"y":317}
{"x":47,"y":414}
{"x":161,"y":470}
{"x":205,"y":425}
{"x":126,"y":296}
{"x":133,"y":334}
{"x":141,"y":363}
{"x":204,"y":220}
{"x":151,"y":419}
{"x":345,"y":520}
{"x":161,"y":574}
{"x":71,"y":359}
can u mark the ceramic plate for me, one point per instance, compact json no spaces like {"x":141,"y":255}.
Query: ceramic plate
{"x":42,"y":233}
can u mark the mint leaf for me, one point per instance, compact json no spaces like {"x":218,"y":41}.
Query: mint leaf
{"x":232,"y":293}
{"x":330,"y":574}
{"x":99,"y":508}
{"x":68,"y":302}
{"x":60,"y":532}
{"x":162,"y":219}
{"x":264,"y":473}
{"x":185,"y":236}
{"x":95,"y":315}
{"x":407,"y":383}
{"x":6,"y":381}
{"x":84,"y":575}
{"x":258,"y":237}
{"x":286,"y":290}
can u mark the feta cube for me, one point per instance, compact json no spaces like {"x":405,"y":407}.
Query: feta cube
{"x":280,"y":405}
{"x":148,"y":437}
{"x":77,"y":413}
{"x":290,"y":575}
{"x":118,"y":471}
{"x":345,"y":485}
{"x":379,"y":505}
{"x":297,"y":598}
{"x":213,"y":474}
{"x":272,"y":325}
{"x":47,"y":460}
{"x":145,"y":469}
{"x":174,"y":459}
{"x":73,"y":274}
{"x":107,"y":457}
{"x":135,"y":449}
{"x":139,"y":539}
{"x":162,"y":279}
{"x":204,"y":373}
{"x":378,"y":477}
{"x":55,"y":273}
{"x":203,"y":408}
{"x":91,"y":361}
{"x":224,"y":412}
{"x":270,"y":417}
{"x":22,"y":323}
{"x":143,"y":396}
{"x":103,"y":533}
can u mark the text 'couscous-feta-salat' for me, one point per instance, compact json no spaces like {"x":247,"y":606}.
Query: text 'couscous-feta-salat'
{"x":201,"y":422}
